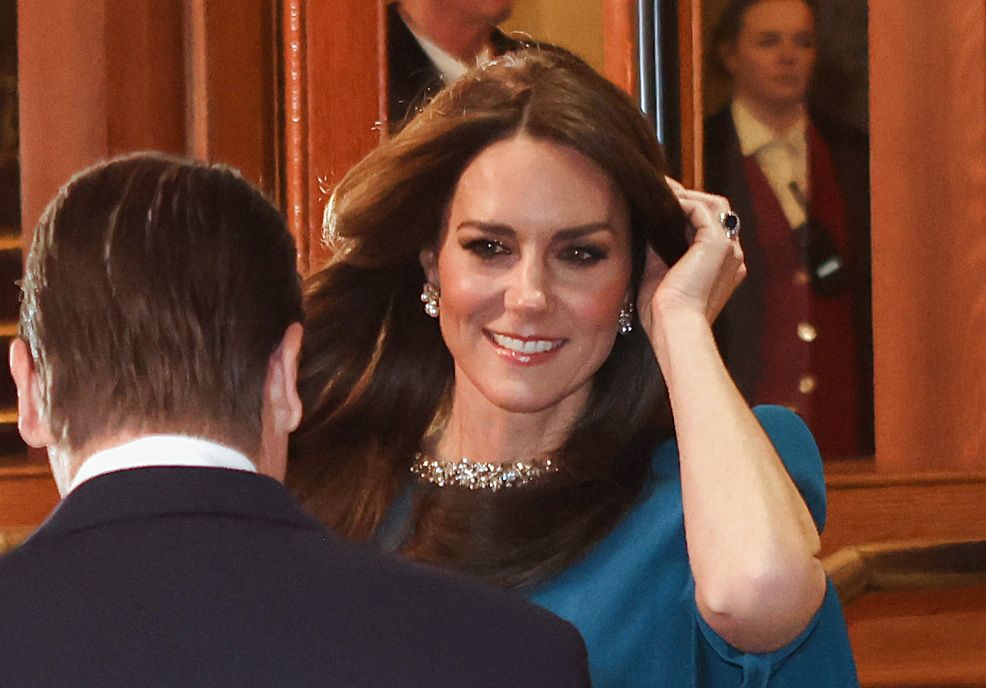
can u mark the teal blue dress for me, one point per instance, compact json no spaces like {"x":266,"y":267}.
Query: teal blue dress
{"x":633,"y":596}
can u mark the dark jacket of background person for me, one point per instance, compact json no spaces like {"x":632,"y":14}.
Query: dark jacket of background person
{"x":839,"y":408}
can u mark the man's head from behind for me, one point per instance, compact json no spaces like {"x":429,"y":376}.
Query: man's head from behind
{"x":159,"y":296}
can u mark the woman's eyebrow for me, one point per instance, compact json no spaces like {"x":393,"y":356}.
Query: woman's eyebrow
{"x":582,"y":230}
{"x":495,"y":228}
{"x":565,"y":233}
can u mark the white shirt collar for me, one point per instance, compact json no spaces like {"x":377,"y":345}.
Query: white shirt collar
{"x":162,"y":450}
{"x":449,"y":66}
{"x":754,"y":134}
{"x":783,"y":159}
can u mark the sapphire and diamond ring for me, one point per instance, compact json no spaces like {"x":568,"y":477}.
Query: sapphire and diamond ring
{"x":730,"y":223}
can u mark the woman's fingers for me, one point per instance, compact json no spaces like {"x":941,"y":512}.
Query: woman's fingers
{"x":675,"y":185}
{"x":712,"y":269}
{"x":704,"y":210}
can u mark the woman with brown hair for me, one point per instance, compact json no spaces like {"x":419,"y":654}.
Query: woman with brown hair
{"x":566,"y":428}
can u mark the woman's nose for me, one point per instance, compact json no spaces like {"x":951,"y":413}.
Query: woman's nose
{"x":529,"y":288}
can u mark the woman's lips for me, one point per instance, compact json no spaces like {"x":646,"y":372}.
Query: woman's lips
{"x":524,"y":350}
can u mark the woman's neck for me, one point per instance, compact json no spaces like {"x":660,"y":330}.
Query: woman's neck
{"x":480,"y":430}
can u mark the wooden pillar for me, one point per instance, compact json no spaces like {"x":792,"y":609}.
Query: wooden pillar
{"x":928,"y":124}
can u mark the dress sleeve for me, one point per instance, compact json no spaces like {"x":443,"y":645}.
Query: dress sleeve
{"x":794,"y":443}
{"x":820,"y":655}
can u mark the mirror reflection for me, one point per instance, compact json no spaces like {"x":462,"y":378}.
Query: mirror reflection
{"x":431,"y":43}
{"x":785,"y":141}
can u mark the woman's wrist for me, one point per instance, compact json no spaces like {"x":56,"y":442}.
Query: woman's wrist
{"x":676,"y":324}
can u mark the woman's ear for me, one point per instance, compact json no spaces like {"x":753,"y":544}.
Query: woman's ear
{"x":429,"y":263}
{"x":31,"y":421}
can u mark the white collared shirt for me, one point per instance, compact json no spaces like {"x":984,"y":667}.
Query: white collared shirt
{"x":449,"y":66}
{"x":162,"y":450}
{"x":782,"y":158}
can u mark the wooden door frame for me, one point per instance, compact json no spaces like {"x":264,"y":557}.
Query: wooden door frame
{"x":334,"y":67}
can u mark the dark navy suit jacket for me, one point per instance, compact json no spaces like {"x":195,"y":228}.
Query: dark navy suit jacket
{"x":213,"y":577}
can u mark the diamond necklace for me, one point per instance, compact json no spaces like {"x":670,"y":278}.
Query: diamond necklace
{"x":480,"y":475}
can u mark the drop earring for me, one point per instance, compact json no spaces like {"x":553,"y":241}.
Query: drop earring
{"x":625,"y":320}
{"x":429,"y":297}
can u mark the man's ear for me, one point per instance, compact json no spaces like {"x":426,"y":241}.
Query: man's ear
{"x":281,"y":391}
{"x":429,"y":262}
{"x":31,"y":421}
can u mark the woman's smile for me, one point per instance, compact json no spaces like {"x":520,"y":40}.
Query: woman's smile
{"x":524,"y":350}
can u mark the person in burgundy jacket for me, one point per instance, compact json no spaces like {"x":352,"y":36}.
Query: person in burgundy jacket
{"x":797,"y":332}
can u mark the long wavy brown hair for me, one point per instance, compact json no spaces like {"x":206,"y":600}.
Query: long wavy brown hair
{"x":375,"y":373}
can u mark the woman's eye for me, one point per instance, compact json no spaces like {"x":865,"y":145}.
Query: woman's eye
{"x":583,"y":254}
{"x":486,"y":248}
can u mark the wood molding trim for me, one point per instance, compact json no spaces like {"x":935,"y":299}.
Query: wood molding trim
{"x":620,"y":43}
{"x":690,"y":65}
{"x":334,"y":95}
{"x":11,"y":537}
{"x":869,"y":508}
{"x":295,"y":127}
{"x":907,"y":564}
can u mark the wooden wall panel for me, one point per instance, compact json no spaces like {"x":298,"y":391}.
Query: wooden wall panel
{"x":63,"y":124}
{"x":232,"y":97}
{"x":117,"y":82}
{"x":98,"y":78}
{"x":928,"y":123}
{"x":27,"y":495}
{"x":140,"y":39}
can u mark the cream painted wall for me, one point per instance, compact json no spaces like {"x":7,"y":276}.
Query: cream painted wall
{"x":573,"y":24}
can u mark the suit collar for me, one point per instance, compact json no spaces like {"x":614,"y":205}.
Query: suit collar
{"x":141,"y":493}
{"x":162,"y":450}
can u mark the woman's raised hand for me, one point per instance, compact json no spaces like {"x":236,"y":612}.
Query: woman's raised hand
{"x":705,"y":277}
